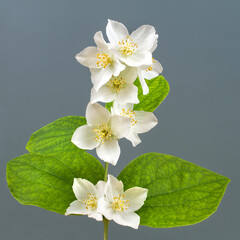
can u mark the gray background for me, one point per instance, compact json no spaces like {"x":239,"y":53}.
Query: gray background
{"x":199,"y":120}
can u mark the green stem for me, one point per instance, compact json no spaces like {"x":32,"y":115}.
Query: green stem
{"x":106,"y":172}
{"x":105,"y":221}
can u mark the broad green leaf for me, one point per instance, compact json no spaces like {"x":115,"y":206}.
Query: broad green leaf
{"x":179,"y":192}
{"x":46,"y":181}
{"x":158,"y":90}
{"x":56,"y":136}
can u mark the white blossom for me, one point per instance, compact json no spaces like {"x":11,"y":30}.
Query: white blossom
{"x":141,"y":121}
{"x":88,"y":197}
{"x":149,"y":72}
{"x":120,"y":206}
{"x":136,"y":49}
{"x":101,"y":61}
{"x":119,"y":89}
{"x":102,"y":132}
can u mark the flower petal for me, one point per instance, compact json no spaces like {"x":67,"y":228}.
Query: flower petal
{"x":146,"y":37}
{"x":100,"y":186}
{"x":133,"y":137}
{"x":96,"y":215}
{"x":116,"y":32}
{"x":154,"y":45}
{"x":76,"y":208}
{"x":88,"y":57}
{"x":109,"y":151}
{"x":129,"y":74}
{"x":114,"y":188}
{"x":138,"y":59}
{"x":136,"y":197}
{"x":104,"y":94}
{"x":120,"y":126}
{"x":117,"y":67}
{"x":105,"y":209}
{"x":145,"y":122}
{"x":143,"y":84}
{"x":83,"y":138}
{"x":96,"y":114}
{"x":100,"y":76}
{"x":154,"y":72}
{"x":157,"y":66}
{"x":129,"y":94}
{"x":127,"y":218}
{"x":149,"y":74}
{"x":118,"y":108}
{"x":82,"y":187}
{"x":100,"y":42}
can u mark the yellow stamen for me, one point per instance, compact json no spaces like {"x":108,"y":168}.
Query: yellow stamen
{"x":119,"y":204}
{"x":103,"y":132}
{"x":149,"y":69}
{"x":127,"y":46}
{"x":116,"y":83}
{"x":90,"y":201}
{"x":129,"y":113}
{"x":103,"y":60}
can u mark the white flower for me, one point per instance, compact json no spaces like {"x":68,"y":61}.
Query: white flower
{"x":135,"y":49}
{"x":149,"y":72}
{"x":102,"y":132}
{"x":141,"y":121}
{"x":120,"y":89}
{"x":88,"y":197}
{"x":120,"y":206}
{"x":101,"y":61}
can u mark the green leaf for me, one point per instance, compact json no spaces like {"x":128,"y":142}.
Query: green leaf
{"x":158,"y":90}
{"x":108,"y":106}
{"x":46,"y":181}
{"x":179,"y":192}
{"x":56,"y":136}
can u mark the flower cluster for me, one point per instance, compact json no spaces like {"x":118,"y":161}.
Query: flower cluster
{"x":109,"y":200}
{"x":114,"y":67}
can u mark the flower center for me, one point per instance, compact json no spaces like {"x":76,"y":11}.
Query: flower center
{"x":116,"y":84}
{"x":103,"y":60}
{"x":119,"y":204}
{"x":129,"y":113}
{"x":127,"y":46}
{"x":90,"y":201}
{"x":103,"y":132}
